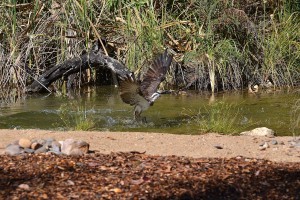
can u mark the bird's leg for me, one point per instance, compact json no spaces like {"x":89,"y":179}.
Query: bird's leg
{"x":137,"y":115}
{"x":144,"y":120}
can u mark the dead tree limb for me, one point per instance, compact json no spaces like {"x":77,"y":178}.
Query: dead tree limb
{"x":93,"y":59}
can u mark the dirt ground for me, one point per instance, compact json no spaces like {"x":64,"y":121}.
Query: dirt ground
{"x":196,"y":146}
{"x":152,"y":166}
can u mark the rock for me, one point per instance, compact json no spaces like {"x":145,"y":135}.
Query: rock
{"x":264,"y":146}
{"x":263,"y":131}
{"x":27,"y":150}
{"x":41,"y":141}
{"x":43,"y":149}
{"x":218,"y":147}
{"x":36,"y":145}
{"x":261,"y":144}
{"x":274,"y":142}
{"x":48,"y":144}
{"x":50,"y":140}
{"x":83,"y":146}
{"x":69,"y":182}
{"x":13,"y":149}
{"x":24,"y":186}
{"x":294,"y":143}
{"x":25,"y":143}
{"x":55,"y":146}
{"x":72,"y":147}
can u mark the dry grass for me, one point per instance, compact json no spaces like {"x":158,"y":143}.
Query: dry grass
{"x":229,"y":44}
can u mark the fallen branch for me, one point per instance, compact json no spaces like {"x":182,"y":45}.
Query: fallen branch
{"x":93,"y":59}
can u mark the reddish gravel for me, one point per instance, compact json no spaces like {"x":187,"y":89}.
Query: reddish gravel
{"x":140,"y":176}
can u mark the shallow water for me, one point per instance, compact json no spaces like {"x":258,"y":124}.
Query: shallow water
{"x":173,"y":114}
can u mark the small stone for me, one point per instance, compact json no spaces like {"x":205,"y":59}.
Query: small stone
{"x":67,"y":146}
{"x":25,"y":143}
{"x":43,"y":149}
{"x":41,"y":141}
{"x":83,"y":146}
{"x":262,"y":148}
{"x":13,"y":149}
{"x":261,"y":144}
{"x":262,"y":131}
{"x":36,"y":145}
{"x":297,"y":145}
{"x":69,"y":182}
{"x":55,"y":146}
{"x":218,"y":147}
{"x":72,"y":147}
{"x":75,"y":152}
{"x":266,"y":145}
{"x":24,"y":186}
{"x":274,"y":142}
{"x":116,"y":190}
{"x":50,"y":139}
{"x":28,"y":150}
{"x":48,"y":144}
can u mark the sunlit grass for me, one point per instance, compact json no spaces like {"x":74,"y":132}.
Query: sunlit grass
{"x":74,"y":116}
{"x":233,"y":48}
{"x":282,"y":50}
{"x":219,"y":117}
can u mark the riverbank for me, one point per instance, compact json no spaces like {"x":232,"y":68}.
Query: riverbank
{"x":197,"y":146}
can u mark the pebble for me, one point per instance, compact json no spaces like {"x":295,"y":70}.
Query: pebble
{"x":41,"y":141}
{"x":218,"y":147}
{"x":69,"y":182}
{"x":43,"y":149}
{"x":274,"y":142}
{"x":28,"y":150}
{"x":295,"y":143}
{"x":262,"y":131}
{"x":13,"y":149}
{"x":55,"y":146}
{"x":50,"y":145}
{"x":264,"y":146}
{"x":24,"y":186}
{"x":36,"y":145}
{"x":25,"y":143}
{"x":72,"y":147}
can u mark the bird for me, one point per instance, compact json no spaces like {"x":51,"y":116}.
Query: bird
{"x":143,"y":94}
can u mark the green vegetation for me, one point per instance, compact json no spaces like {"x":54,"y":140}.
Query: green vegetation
{"x":75,"y":117}
{"x":226,"y":44}
{"x":219,"y":45}
{"x":219,"y":117}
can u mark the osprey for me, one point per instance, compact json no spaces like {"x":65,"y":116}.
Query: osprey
{"x":142,"y":94}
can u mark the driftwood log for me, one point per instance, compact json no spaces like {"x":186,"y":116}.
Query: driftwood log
{"x":93,"y":59}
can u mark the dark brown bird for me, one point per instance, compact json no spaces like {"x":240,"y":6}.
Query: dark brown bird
{"x":142,"y":94}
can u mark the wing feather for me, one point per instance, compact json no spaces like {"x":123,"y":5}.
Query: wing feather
{"x":129,"y":90}
{"x":155,"y":74}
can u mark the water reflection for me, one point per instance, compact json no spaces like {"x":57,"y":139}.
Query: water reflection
{"x":107,"y":111}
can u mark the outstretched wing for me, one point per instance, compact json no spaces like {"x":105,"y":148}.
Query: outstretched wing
{"x":155,"y":74}
{"x":129,"y":90}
